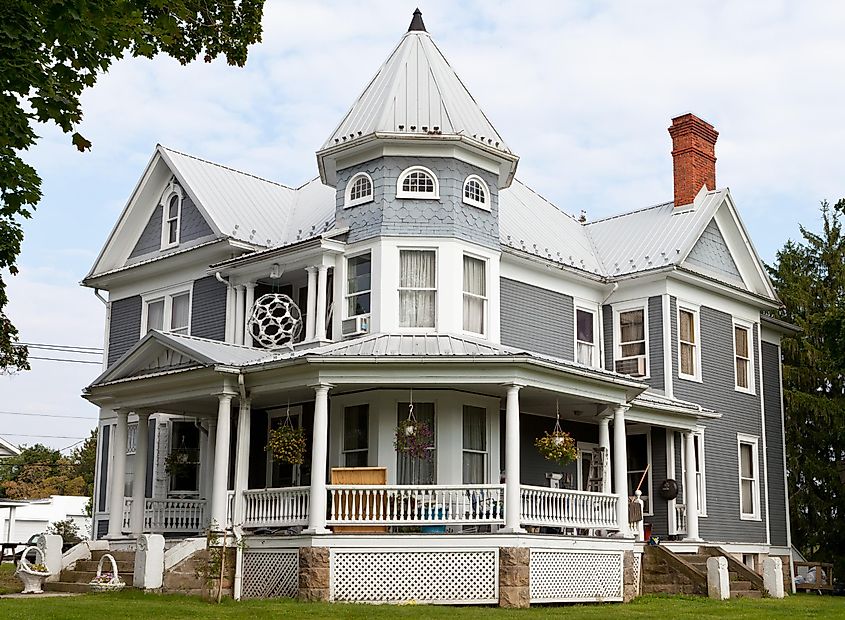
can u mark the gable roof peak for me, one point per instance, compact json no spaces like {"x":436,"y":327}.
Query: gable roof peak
{"x":417,"y":24}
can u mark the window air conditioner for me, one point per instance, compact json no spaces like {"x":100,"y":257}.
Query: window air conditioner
{"x":632,"y":366}
{"x":355,"y":326}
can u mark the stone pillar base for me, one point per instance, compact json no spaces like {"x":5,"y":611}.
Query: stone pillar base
{"x":630,"y":577}
{"x":514,"y":577}
{"x":313,"y":574}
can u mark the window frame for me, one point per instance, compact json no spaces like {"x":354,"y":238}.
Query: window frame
{"x":172,"y":190}
{"x":618,"y":310}
{"x":484,"y":298}
{"x":298,"y":421}
{"x":400,"y":193}
{"x":643,"y":430}
{"x":749,"y":327}
{"x":695,"y":311}
{"x":166,"y":295}
{"x":401,"y":408}
{"x":594,"y":311}
{"x":348,"y":201}
{"x":485,"y":190}
{"x":344,"y":451}
{"x":485,"y":453}
{"x":700,"y":476}
{"x":347,"y":295}
{"x":400,"y":288}
{"x":753,"y":441}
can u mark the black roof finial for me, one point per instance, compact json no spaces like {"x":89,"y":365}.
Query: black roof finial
{"x":417,"y":22}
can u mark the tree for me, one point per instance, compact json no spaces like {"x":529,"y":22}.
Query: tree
{"x":51,"y":50}
{"x":810,"y":279}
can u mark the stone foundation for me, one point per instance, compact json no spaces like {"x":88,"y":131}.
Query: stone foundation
{"x":630,"y":577}
{"x":193,"y":575}
{"x":313,"y":574}
{"x":514,"y":577}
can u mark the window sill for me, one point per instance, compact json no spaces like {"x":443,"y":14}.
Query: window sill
{"x":477,"y":205}
{"x":692,"y":378}
{"x":745,"y":391}
{"x":418,"y":196}
{"x":168,"y":246}
{"x":360,"y":201}
{"x":750,"y":518}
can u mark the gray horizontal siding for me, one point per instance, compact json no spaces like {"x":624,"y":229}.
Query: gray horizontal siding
{"x":774,"y":444}
{"x":537,"y":319}
{"x":607,"y":318}
{"x":660,"y":519}
{"x":533,"y":467}
{"x":655,"y":344}
{"x":191,"y":227}
{"x":740,"y":414}
{"x":208,"y":309}
{"x":124,"y":326}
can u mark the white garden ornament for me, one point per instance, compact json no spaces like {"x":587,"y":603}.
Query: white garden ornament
{"x":275,"y":321}
{"x":32,"y":574}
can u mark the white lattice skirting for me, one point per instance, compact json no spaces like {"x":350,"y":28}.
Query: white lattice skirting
{"x":391,"y":576}
{"x":269,"y":574}
{"x":571,"y":576}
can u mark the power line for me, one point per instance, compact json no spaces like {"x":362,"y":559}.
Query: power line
{"x":36,"y":345}
{"x":44,"y":436}
{"x":48,"y":415}
{"x":58,"y":359}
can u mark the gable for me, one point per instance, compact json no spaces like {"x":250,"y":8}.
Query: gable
{"x":711,"y":252}
{"x":166,"y":359}
{"x":150,"y":356}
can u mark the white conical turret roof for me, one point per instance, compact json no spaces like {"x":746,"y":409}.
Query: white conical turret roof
{"x":416,"y":92}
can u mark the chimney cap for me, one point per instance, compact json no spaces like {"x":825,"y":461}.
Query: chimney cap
{"x":417,"y":22}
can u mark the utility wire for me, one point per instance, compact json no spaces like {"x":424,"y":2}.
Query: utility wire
{"x":44,"y":436}
{"x":36,"y":345}
{"x":59,"y":359}
{"x":48,"y":415}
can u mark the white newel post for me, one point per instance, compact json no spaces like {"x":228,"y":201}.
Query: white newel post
{"x":604,"y":444}
{"x":248,"y":303}
{"x":149,"y":562}
{"x":139,"y":482}
{"x":620,"y":469}
{"x":512,"y":475}
{"x":210,"y":444}
{"x":50,"y":546}
{"x":118,"y":476}
{"x":320,"y":318}
{"x":242,"y":462}
{"x":319,"y":450}
{"x":311,"y":310}
{"x":690,"y":493}
{"x":220,"y":478}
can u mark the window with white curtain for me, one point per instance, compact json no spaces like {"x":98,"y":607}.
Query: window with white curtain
{"x":632,"y":333}
{"x":169,"y":311}
{"x":180,"y":309}
{"x":417,"y":288}
{"x":155,"y":315}
{"x":412,"y":470}
{"x":475,"y":294}
{"x":585,"y":337}
{"x":474,"y":445}
{"x":356,"y":430}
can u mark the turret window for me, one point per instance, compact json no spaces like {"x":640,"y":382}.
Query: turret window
{"x":417,"y":182}
{"x":359,"y":190}
{"x":171,"y":216}
{"x":476,"y":192}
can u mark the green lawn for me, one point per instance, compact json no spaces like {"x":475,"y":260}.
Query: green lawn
{"x":133,"y":604}
{"x":8,"y":582}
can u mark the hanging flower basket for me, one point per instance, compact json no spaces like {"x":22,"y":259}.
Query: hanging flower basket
{"x":414,"y":438}
{"x":106,"y":581}
{"x":32,"y":575}
{"x":287,"y":444}
{"x":557,"y":446}
{"x":180,"y":461}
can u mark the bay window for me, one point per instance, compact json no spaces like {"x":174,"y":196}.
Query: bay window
{"x":474,"y":445}
{"x":410,"y":469}
{"x":358,"y":285}
{"x":169,"y":312}
{"x":356,"y":430}
{"x":417,"y":288}
{"x":585,"y":338}
{"x":475,"y":294}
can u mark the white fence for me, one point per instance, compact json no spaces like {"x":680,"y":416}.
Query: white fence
{"x":563,"y":508}
{"x":169,"y":515}
{"x":276,"y":507}
{"x":416,"y":505}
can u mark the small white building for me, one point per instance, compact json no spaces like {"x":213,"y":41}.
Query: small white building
{"x":8,"y":449}
{"x":21,"y":518}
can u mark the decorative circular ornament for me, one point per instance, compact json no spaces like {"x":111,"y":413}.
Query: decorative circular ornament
{"x":275,"y":321}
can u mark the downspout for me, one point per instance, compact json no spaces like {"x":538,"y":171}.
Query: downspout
{"x":98,"y":472}
{"x":237,"y":530}
{"x":107,"y":329}
{"x":601,"y":324}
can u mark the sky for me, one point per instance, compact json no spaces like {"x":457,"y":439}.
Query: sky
{"x":583,"y":92}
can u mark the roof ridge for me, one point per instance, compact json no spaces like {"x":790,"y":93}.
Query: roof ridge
{"x":210,"y":340}
{"x":230,"y":168}
{"x":546,"y":200}
{"x":626,"y":213}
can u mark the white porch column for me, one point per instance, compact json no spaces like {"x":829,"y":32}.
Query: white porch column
{"x":242,"y":462}
{"x":604,"y":443}
{"x":210,"y":444}
{"x":230,"y":314}
{"x":620,"y":469}
{"x":248,"y":302}
{"x":311,"y":310}
{"x":219,"y":482}
{"x":319,"y":450}
{"x":118,"y":476}
{"x":139,"y":482}
{"x":239,"y":313}
{"x":690,"y":493}
{"x":512,"y":475}
{"x":320,"y":317}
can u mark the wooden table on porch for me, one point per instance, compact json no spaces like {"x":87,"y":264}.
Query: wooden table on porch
{"x":363,"y":476}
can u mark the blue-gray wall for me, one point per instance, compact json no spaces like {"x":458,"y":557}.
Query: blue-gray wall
{"x":660,"y":519}
{"x":537,"y":319}
{"x":532,"y":466}
{"x":607,"y":318}
{"x":741,"y":413}
{"x":193,"y":227}
{"x":447,"y":217}
{"x":208,"y":309}
{"x":774,"y":443}
{"x":124,"y":326}
{"x":655,"y":344}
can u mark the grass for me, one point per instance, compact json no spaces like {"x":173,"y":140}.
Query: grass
{"x":134,"y":604}
{"x":8,"y":582}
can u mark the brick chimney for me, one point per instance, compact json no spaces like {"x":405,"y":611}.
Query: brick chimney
{"x":693,"y":157}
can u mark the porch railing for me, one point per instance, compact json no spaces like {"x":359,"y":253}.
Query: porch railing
{"x":680,"y":519}
{"x":168,"y":515}
{"x":416,"y":505}
{"x":543,"y":506}
{"x":284,"y":507}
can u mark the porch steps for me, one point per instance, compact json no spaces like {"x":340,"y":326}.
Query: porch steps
{"x":666,"y":572}
{"x":76,"y":579}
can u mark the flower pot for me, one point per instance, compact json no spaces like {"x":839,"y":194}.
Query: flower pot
{"x":31,"y":578}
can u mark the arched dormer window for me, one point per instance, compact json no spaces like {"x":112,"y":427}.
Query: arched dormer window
{"x":476,"y":192}
{"x":171,"y":215}
{"x":359,"y":190}
{"x":417,"y":182}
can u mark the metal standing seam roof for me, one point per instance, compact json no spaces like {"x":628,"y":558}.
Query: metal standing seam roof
{"x":416,"y":91}
{"x":412,"y":345}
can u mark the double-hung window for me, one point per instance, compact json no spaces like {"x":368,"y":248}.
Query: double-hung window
{"x":356,"y":430}
{"x":474,"y":445}
{"x":417,"y":288}
{"x":689,"y":363}
{"x":639,"y":467}
{"x":358,"y":285}
{"x":171,"y":216}
{"x":749,"y":478}
{"x":585,"y":337}
{"x":700,"y":483}
{"x":410,"y":469}
{"x":170,"y":312}
{"x":475,"y":294}
{"x":631,"y":353}
{"x":744,"y":368}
